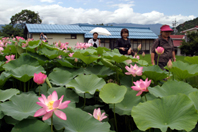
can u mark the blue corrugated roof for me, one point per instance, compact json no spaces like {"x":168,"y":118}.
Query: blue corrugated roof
{"x":59,"y":29}
{"x":134,"y":32}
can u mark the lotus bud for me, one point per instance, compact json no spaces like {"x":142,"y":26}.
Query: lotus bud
{"x":143,"y":54}
{"x":159,"y":50}
{"x":76,"y":60}
{"x":169,"y":64}
{"x":139,"y":47}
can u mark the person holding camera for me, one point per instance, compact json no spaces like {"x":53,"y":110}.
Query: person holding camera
{"x":43,"y":37}
{"x":123,"y":44}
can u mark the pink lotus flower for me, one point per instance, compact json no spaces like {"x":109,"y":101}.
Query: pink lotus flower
{"x":79,"y":46}
{"x":25,"y":44}
{"x":169,"y":64}
{"x":139,"y":47}
{"x":87,"y":45}
{"x":59,"y":57}
{"x":134,"y":70}
{"x":39,"y":78}
{"x":97,"y":114}
{"x":51,"y":105}
{"x":9,"y":58}
{"x":141,"y":86}
{"x":71,"y":54}
{"x":137,"y":57}
{"x":1,"y":49}
{"x":128,"y":61}
{"x":159,"y":50}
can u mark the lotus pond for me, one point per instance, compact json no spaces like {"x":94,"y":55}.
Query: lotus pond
{"x":46,"y":88}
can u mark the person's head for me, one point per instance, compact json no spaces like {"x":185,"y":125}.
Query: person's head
{"x":42,"y":34}
{"x":95,"y":35}
{"x":124,"y":33}
{"x":165,"y":31}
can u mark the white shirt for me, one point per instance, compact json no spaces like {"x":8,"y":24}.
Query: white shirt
{"x":92,"y":42}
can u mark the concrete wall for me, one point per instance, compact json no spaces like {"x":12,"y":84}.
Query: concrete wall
{"x":62,"y":37}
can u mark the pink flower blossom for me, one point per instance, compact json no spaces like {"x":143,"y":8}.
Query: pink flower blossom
{"x":17,"y":37}
{"x":97,"y":114}
{"x":59,"y":57}
{"x":39,"y":78}
{"x":51,"y":105}
{"x":137,"y":57}
{"x":141,"y":86}
{"x":159,"y":50}
{"x":79,"y":46}
{"x":1,"y":49}
{"x":9,"y":58}
{"x":71,"y":54}
{"x":134,"y":70}
{"x":87,"y":45}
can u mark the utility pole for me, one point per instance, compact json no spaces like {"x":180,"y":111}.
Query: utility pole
{"x":174,"y":26}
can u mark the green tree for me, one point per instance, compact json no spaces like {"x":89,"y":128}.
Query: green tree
{"x":9,"y":30}
{"x":191,"y":46}
{"x":25,"y":16}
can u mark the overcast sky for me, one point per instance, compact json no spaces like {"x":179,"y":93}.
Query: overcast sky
{"x":103,"y":11}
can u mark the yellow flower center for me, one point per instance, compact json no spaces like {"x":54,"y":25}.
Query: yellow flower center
{"x":50,"y":105}
{"x":98,"y":117}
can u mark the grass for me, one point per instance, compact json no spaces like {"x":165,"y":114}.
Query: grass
{"x":147,"y":58}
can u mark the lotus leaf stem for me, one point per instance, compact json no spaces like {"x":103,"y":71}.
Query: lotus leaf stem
{"x":115,"y":119}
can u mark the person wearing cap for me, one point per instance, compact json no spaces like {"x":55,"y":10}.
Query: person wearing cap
{"x":166,"y":42}
{"x":94,"y":41}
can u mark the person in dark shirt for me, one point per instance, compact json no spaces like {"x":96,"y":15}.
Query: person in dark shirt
{"x":166,"y":42}
{"x":123,"y":44}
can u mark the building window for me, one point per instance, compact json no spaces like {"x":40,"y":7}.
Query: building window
{"x":73,"y":36}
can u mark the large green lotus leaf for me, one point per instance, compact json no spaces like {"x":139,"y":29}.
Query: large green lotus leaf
{"x":21,"y":106}
{"x":88,"y":51}
{"x":184,"y":70}
{"x":40,"y":58}
{"x":79,"y":121}
{"x":110,"y":55}
{"x":172,"y":88}
{"x":68,"y":94}
{"x":192,"y":60}
{"x":31,"y":125}
{"x":176,"y":112}
{"x":154,"y":72}
{"x":4,"y":77}
{"x":112,"y":93}
{"x":130,"y":100}
{"x":65,"y":63}
{"x":86,"y":83}
{"x":85,"y":58}
{"x":8,"y":93}
{"x":60,"y":76}
{"x":99,"y":70}
{"x":23,"y":59}
{"x":10,"y":48}
{"x":51,"y":54}
{"x":119,"y":59}
{"x":101,"y":50}
{"x":142,"y":62}
{"x":25,"y":72}
{"x":34,"y":44}
{"x":194,"y":97}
